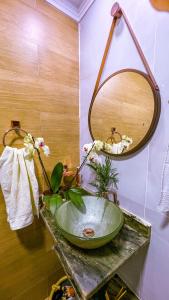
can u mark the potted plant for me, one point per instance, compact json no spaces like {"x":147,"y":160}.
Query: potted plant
{"x":63,"y":187}
{"x":106,"y":177}
{"x":58,"y":189}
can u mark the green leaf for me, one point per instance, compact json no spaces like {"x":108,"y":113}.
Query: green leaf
{"x":54,"y":202}
{"x":79,"y":191}
{"x":76,"y":199}
{"x":56,"y":177}
{"x":92,"y":166}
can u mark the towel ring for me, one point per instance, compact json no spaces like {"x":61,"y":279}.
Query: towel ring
{"x":111,"y":138}
{"x":16,"y":129}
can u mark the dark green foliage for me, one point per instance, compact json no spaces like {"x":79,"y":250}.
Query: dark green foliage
{"x":53,"y":201}
{"x":76,"y":199}
{"x":80,"y":191}
{"x":75,"y":195}
{"x":56,"y":177}
{"x":106,"y":176}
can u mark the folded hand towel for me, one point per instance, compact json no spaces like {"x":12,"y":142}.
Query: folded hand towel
{"x":164,"y":199}
{"x":17,"y":179}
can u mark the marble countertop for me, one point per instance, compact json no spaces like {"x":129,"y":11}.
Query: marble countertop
{"x":89,"y":270}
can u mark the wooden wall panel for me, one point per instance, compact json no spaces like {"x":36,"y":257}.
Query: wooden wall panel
{"x":38,"y":87}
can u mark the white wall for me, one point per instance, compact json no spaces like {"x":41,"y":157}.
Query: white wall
{"x":140,"y":176}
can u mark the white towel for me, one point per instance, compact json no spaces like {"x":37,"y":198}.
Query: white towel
{"x":164,"y":199}
{"x":18,"y":182}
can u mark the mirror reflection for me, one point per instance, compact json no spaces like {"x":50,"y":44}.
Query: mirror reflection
{"x":124,"y":111}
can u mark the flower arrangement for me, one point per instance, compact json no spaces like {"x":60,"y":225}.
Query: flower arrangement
{"x":63,"y":184}
{"x":116,"y":148}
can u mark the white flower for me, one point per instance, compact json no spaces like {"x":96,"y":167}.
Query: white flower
{"x":118,"y":148}
{"x":39,"y":142}
{"x":108,"y":147}
{"x":92,"y":150}
{"x":46,"y":150}
{"x":30,"y":145}
{"x":127,"y":139}
{"x":93,"y":157}
{"x":98,"y":145}
{"x":87,"y":147}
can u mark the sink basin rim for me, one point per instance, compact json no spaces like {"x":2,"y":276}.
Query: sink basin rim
{"x":118,"y":227}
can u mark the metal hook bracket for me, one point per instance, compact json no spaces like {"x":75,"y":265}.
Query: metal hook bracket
{"x":16,"y":125}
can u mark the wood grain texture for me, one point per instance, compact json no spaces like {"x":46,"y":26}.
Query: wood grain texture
{"x":38,"y":87}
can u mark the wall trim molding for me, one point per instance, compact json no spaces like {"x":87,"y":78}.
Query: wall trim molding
{"x":70,"y":9}
{"x":85,"y":5}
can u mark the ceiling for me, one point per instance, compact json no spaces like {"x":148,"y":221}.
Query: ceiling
{"x":76,"y":9}
{"x":76,"y":3}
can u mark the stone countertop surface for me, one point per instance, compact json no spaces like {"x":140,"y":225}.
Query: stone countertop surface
{"x":90,"y":270}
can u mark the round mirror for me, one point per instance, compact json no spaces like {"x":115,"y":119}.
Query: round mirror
{"x":124,"y":112}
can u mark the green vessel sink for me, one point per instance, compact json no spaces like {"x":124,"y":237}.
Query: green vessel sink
{"x":94,"y":226}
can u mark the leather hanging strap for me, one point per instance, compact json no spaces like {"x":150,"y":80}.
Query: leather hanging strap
{"x":105,"y":54}
{"x":116,"y":13}
{"x":140,"y":51}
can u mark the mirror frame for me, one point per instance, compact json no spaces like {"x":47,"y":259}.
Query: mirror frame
{"x":155,"y":119}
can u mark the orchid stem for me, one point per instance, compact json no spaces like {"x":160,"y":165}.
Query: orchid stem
{"x":81,"y":166}
{"x":43,"y":167}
